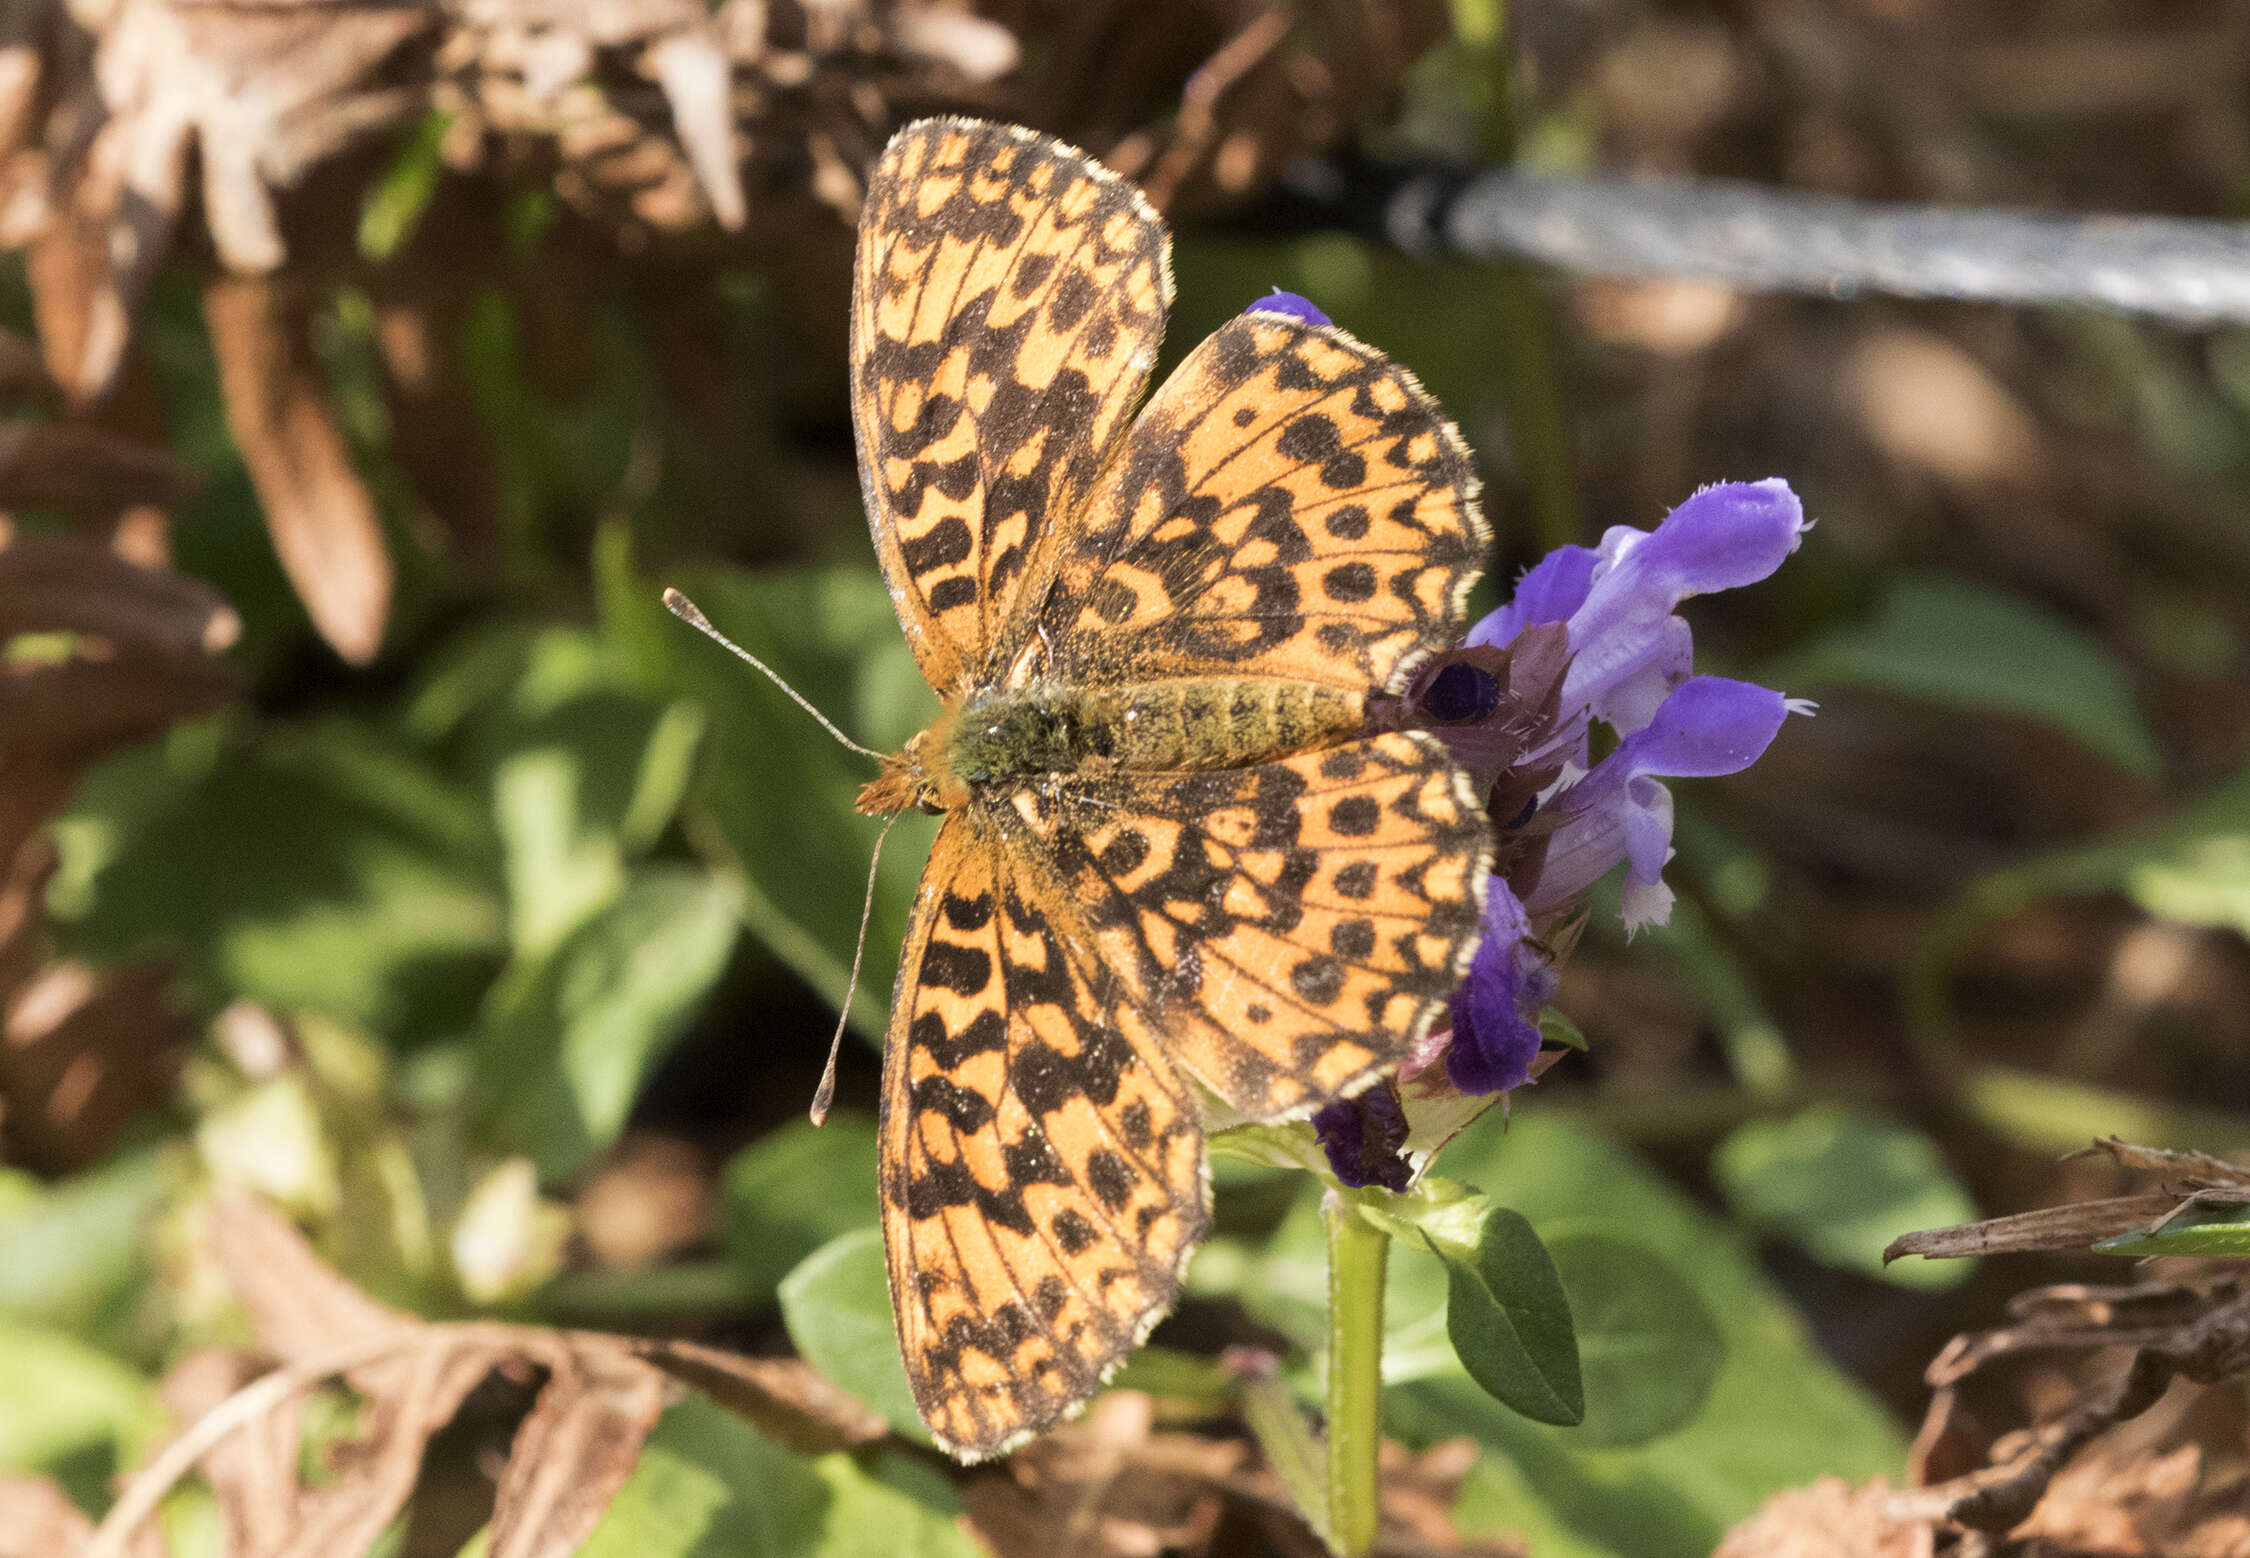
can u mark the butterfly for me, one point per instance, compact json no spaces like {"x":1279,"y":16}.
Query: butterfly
{"x":1175,"y":858}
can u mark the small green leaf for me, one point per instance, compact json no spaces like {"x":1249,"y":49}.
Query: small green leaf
{"x":1180,"y":1377}
{"x":1841,"y":1184}
{"x":1555,"y":1028}
{"x":837,"y":1305}
{"x":1292,"y":1446}
{"x":1966,"y":645}
{"x":2217,"y":1233}
{"x":1510,"y":1320}
{"x":393,"y":207}
{"x":789,"y":1193}
{"x":569,"y":1040}
{"x":71,"y":1252}
{"x":69,"y":1406}
{"x":1451,"y":1213}
{"x":1650,"y":1348}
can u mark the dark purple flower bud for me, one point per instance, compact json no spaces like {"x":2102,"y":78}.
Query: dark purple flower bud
{"x":1495,"y":1010}
{"x":1365,"y":1138}
{"x":1460,"y":692}
{"x":1280,"y":302}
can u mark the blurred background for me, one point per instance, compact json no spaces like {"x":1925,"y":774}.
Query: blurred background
{"x":372,"y":842}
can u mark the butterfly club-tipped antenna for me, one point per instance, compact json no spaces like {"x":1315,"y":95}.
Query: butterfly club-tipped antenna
{"x":687,"y":611}
{"x":690,"y":613}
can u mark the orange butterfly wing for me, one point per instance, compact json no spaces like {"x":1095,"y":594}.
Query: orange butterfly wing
{"x":1290,"y":504}
{"x":1008,"y":297}
{"x":1042,"y":1163}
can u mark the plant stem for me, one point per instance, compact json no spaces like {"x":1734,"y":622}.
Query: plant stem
{"x":1357,"y":1254}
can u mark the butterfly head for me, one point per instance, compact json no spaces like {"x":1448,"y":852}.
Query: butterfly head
{"x":919,"y":778}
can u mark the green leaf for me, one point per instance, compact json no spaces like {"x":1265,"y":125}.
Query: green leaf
{"x":393,"y":207}
{"x":70,"y":1409}
{"x":1454,"y":1215}
{"x":708,"y":1486}
{"x":70,"y":1252}
{"x":1841,"y":1184}
{"x":2217,"y":1233}
{"x":1649,"y":1346}
{"x":837,"y":1305}
{"x":584,"y":769}
{"x":1198,"y":1383}
{"x":781,"y":790}
{"x":328,"y":871}
{"x":1965,"y":645}
{"x":569,"y":1040}
{"x":789,"y":1193}
{"x":1510,"y":1321}
{"x":1292,"y":1446}
{"x":1778,"y":1413}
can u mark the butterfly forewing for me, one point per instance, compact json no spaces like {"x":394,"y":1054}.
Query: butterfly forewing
{"x":1008,"y":297}
{"x":1293,"y":929}
{"x":1042,"y":1163}
{"x":1290,"y":504}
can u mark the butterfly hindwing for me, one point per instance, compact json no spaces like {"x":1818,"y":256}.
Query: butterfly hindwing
{"x":1008,"y":297}
{"x":1042,"y":1162}
{"x":1292,"y":929}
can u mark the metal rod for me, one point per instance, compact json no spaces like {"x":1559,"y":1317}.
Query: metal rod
{"x":1756,"y":239}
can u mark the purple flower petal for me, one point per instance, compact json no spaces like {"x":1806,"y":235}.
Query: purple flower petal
{"x":1280,"y":302}
{"x":1495,"y":1038}
{"x":1550,"y":591}
{"x":1708,"y":727}
{"x":1364,"y":1138}
{"x":1724,"y":536}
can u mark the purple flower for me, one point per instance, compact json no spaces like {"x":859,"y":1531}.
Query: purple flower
{"x":1363,"y":1138}
{"x":1280,"y":302}
{"x":1628,"y":648}
{"x":1707,"y":727}
{"x":1496,"y":1009}
{"x":1628,"y":664}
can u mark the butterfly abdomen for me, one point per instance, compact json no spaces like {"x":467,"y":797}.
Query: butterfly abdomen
{"x":1199,"y":722}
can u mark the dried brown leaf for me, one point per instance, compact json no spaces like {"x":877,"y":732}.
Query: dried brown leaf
{"x":298,"y":1306}
{"x":1829,"y":1519}
{"x":323,"y":522}
{"x":2071,"y":1227}
{"x":783,"y":1398}
{"x":409,"y":1399}
{"x":54,"y":583}
{"x":2176,"y":1334}
{"x":81,"y":1055}
{"x":252,"y":1472}
{"x":38,"y":1520}
{"x":574,"y":1451}
{"x":84,"y":469}
{"x":2173,"y":1164}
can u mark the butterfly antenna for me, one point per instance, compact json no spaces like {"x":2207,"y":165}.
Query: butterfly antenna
{"x":825,"y":1094}
{"x":687,"y":611}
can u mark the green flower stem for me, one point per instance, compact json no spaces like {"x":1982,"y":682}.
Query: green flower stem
{"x":1357,"y":1253}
